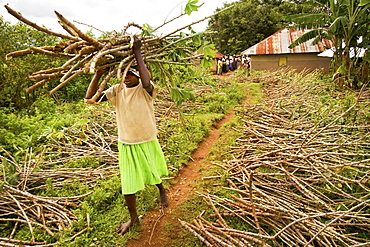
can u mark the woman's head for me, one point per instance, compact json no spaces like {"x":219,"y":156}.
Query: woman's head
{"x":132,"y":79}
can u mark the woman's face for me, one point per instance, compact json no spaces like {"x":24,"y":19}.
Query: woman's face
{"x":131,"y":80}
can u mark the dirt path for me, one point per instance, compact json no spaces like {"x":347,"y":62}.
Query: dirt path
{"x":154,"y":221}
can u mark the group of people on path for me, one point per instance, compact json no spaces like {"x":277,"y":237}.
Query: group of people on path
{"x":231,"y":62}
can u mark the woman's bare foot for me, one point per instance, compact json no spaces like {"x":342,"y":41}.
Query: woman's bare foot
{"x":125,"y":227}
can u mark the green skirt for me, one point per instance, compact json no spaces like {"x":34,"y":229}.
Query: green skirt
{"x":141,"y":164}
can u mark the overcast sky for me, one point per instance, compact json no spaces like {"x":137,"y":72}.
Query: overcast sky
{"x":109,"y":15}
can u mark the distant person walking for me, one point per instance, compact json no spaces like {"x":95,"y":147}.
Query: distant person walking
{"x":219,"y":66}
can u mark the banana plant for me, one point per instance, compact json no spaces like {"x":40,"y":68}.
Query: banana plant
{"x":344,"y":22}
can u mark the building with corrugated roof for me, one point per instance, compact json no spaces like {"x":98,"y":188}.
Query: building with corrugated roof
{"x":274,"y":53}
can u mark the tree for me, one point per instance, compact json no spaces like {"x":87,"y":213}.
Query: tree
{"x":13,"y":72}
{"x":248,"y":22}
{"x":346,"y":22}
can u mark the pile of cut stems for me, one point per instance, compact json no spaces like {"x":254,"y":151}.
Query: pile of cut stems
{"x":300,"y":173}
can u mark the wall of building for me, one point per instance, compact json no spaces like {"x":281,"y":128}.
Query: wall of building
{"x":298,"y":62}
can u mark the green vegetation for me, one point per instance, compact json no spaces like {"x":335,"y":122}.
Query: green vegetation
{"x":29,"y":133}
{"x":13,"y":72}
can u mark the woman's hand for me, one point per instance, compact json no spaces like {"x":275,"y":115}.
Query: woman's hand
{"x":137,"y":43}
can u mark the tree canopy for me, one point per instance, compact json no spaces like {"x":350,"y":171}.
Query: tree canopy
{"x":13,"y":72}
{"x":249,"y":22}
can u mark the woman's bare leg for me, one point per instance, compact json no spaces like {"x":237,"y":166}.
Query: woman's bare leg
{"x":163,"y":202}
{"x":134,"y":219}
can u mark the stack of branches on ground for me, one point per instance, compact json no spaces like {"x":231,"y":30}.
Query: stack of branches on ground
{"x":21,"y":205}
{"x":95,"y":137}
{"x":53,"y":168}
{"x":49,"y":213}
{"x":86,"y":54}
{"x":300,"y":174}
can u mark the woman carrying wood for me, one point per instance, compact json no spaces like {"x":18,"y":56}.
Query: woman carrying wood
{"x":141,"y":159}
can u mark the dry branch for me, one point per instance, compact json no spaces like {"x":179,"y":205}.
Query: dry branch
{"x":34,"y":25}
{"x":87,"y":54}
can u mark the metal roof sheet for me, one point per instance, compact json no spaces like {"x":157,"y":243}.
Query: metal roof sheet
{"x":279,"y":42}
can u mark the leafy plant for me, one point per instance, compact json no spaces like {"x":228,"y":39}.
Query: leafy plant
{"x":191,"y":6}
{"x":181,"y":95}
{"x":9,"y":172}
{"x":346,"y":23}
